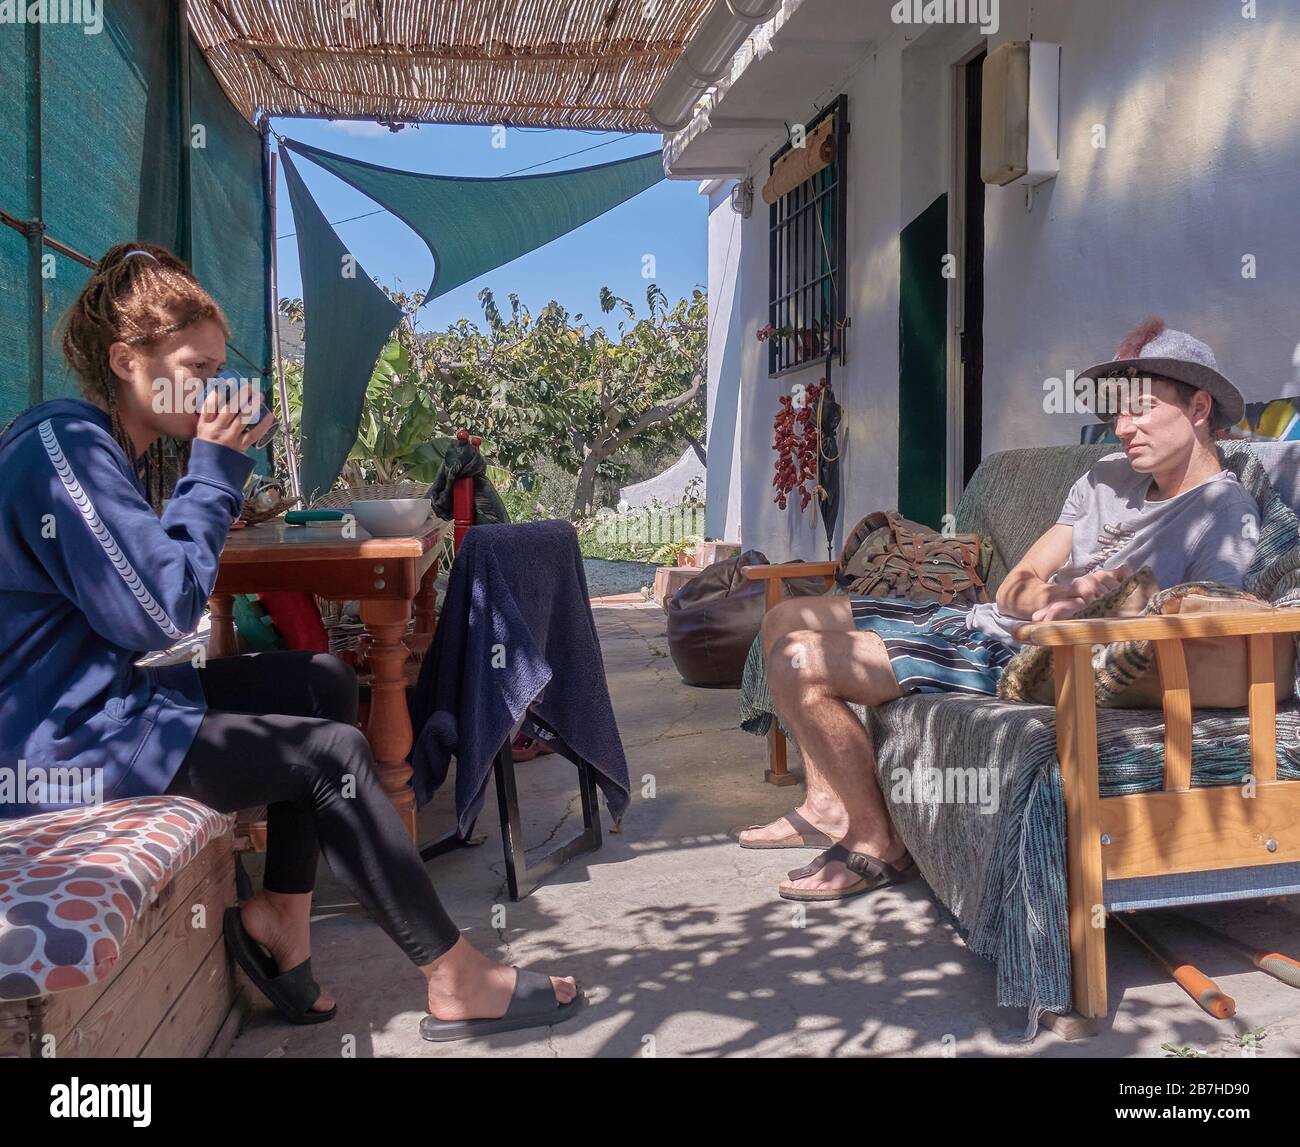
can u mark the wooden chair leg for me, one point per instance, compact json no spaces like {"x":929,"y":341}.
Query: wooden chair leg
{"x":777,"y":773}
{"x":1076,"y":748}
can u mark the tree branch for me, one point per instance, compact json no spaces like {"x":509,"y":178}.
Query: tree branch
{"x":657,"y":414}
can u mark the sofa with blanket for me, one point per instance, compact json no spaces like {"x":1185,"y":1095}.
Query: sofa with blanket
{"x":1001,"y":858}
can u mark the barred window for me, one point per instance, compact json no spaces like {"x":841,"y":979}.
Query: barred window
{"x":806,"y":304}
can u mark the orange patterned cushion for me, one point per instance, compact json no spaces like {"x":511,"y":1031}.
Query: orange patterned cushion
{"x":73,"y":883}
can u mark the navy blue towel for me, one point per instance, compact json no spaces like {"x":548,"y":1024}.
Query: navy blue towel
{"x":514,"y":634}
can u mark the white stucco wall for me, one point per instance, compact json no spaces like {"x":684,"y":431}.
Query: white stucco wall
{"x":723,"y":471}
{"x":1202,"y":167}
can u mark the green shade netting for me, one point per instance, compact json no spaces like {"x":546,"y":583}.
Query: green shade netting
{"x":15,"y":298}
{"x":115,"y":166}
{"x":111,"y":132}
{"x":348,"y":322}
{"x":474,"y":225}
{"x":231,"y":219}
{"x":15,"y":352}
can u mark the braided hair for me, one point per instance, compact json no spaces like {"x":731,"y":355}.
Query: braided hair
{"x":138,"y":294}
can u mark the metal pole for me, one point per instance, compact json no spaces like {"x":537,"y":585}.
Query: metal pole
{"x":35,"y":227}
{"x":290,"y":454}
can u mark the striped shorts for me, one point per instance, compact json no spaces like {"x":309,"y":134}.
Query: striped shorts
{"x":930,"y":646}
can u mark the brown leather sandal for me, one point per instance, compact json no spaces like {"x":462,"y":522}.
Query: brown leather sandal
{"x":806,"y":835}
{"x":875,"y":873}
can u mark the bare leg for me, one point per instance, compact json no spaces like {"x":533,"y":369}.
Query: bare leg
{"x":813,"y":675}
{"x":822,"y":806}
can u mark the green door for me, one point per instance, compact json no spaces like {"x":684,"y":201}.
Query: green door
{"x":923,"y":367}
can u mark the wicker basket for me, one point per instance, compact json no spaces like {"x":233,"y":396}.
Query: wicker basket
{"x":251,"y":517}
{"x":342,"y":499}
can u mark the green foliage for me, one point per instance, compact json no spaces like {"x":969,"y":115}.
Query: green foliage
{"x":666,"y":555}
{"x":1173,"y":1051}
{"x":544,"y":392}
{"x":399,"y":433}
{"x":400,"y":436}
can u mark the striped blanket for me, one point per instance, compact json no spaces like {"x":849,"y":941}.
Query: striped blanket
{"x":998,"y":863}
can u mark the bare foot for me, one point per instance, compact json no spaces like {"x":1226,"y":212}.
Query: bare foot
{"x":464,"y":984}
{"x":281,"y":926}
{"x":829,"y":821}
{"x":835,"y":876}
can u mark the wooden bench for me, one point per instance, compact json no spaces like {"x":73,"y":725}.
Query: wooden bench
{"x":171,"y":990}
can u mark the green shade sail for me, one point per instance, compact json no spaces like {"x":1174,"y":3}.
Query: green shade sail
{"x":473,"y":225}
{"x":348,"y":322}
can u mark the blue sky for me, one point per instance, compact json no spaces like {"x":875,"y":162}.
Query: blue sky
{"x":668,"y":221}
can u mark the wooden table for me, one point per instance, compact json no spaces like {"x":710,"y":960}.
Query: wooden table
{"x":390,"y":577}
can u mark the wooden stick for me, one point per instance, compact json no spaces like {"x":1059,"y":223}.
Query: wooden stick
{"x":1275,"y":964}
{"x":1191,"y":979}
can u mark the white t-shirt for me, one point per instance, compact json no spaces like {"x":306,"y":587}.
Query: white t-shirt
{"x":1207,"y":533}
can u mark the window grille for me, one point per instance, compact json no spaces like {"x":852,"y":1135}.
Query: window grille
{"x":806,"y":287}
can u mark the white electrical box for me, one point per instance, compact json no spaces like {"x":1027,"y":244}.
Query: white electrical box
{"x":1020,"y":133}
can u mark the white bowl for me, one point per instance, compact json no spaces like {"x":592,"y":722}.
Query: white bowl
{"x":391,"y":517}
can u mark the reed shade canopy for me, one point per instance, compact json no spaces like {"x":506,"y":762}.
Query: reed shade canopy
{"x":800,"y":164}
{"x":593,"y":64}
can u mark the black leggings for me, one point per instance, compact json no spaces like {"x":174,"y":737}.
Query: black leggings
{"x":281,"y":731}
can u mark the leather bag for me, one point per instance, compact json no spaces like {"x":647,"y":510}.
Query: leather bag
{"x":888,"y":555}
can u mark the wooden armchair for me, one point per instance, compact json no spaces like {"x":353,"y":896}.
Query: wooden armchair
{"x":1179,"y":829}
{"x":1176,"y":830}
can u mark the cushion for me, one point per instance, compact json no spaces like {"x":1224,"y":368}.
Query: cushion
{"x":296,"y":618}
{"x":715,"y":618}
{"x":73,"y":883}
{"x":1028,"y":675}
{"x":1218,"y":674}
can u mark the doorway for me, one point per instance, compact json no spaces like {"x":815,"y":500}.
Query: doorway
{"x":966,"y":386}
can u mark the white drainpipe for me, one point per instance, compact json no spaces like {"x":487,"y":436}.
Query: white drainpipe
{"x":706,"y":59}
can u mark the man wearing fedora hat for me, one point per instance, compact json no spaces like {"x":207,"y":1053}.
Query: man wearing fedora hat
{"x":1164,"y":500}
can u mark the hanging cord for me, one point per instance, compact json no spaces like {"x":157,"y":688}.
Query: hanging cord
{"x":821,"y":412}
{"x":838,"y":326}
{"x":838,"y":323}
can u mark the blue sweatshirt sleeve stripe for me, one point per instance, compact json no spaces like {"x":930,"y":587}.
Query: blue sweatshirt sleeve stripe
{"x":107,"y":542}
{"x":141,"y":582}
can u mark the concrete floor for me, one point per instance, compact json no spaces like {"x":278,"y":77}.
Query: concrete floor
{"x":685,"y":949}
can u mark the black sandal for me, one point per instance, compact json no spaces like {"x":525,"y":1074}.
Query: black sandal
{"x":874,"y":872}
{"x":293,"y":992}
{"x":533,"y":1005}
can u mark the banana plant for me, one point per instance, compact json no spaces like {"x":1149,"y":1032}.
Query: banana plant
{"x":399,"y":433}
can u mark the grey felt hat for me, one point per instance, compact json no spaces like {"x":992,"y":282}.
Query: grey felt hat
{"x":1173,"y":355}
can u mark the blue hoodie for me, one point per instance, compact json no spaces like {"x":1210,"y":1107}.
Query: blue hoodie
{"x":90,"y":579}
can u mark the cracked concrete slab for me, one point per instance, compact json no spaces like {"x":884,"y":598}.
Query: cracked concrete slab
{"x":685,"y":949}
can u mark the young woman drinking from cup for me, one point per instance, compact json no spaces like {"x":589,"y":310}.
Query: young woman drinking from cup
{"x":91,"y":577}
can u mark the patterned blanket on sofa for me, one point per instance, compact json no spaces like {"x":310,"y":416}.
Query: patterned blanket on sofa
{"x":998,"y":863}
